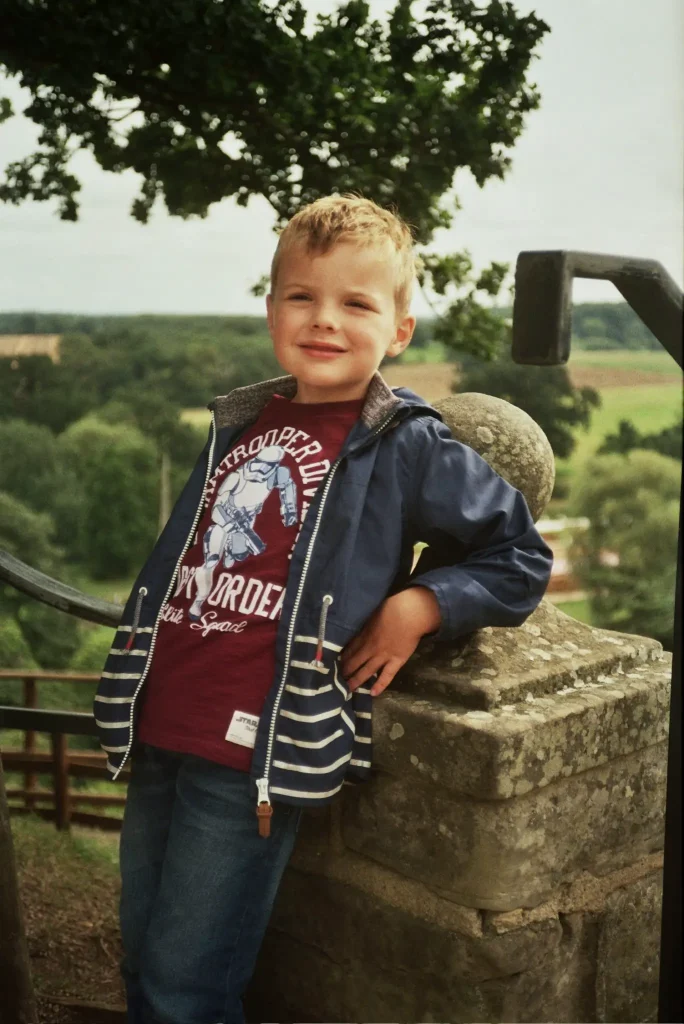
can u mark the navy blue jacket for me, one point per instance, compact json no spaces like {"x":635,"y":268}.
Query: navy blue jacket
{"x":400,"y":478}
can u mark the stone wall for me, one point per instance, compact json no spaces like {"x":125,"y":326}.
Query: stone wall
{"x":504,"y":863}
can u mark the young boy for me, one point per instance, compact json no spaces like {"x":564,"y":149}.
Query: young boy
{"x":278,"y":601}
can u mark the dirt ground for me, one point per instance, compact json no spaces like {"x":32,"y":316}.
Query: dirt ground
{"x":617,"y":377}
{"x":69,"y":892}
{"x":434,"y":380}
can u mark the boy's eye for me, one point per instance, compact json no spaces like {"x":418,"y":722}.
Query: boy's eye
{"x":360,"y":305}
{"x":299,"y":295}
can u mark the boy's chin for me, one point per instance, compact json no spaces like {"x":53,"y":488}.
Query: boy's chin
{"x":331,"y":387}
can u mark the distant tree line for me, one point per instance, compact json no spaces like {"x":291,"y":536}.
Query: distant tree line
{"x":595,"y":325}
{"x":610,"y":325}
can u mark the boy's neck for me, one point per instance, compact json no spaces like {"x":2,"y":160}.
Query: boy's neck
{"x":306,"y":395}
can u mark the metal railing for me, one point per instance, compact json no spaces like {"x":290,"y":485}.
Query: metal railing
{"x":542,"y":308}
{"x":62,"y":763}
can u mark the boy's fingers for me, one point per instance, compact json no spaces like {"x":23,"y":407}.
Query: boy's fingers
{"x":385,"y":678}
{"x":363,"y":674}
{"x":353,"y":661}
{"x":352,"y":647}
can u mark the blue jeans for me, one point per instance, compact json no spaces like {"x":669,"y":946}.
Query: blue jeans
{"x":198,"y":887}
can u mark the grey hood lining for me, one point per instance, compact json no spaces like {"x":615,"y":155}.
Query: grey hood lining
{"x":243,"y":405}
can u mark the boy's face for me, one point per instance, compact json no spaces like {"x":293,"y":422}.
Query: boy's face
{"x":333,"y":318}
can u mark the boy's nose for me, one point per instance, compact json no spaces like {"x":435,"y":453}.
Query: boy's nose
{"x":324,"y":319}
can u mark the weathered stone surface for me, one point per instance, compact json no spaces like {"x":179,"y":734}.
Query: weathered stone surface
{"x":629,"y":952}
{"x":508,"y":439}
{"x":513,"y":749}
{"x":501,"y":855}
{"x":343,"y":947}
{"x":495,"y":666}
{"x":359,"y":953}
{"x":296,"y":982}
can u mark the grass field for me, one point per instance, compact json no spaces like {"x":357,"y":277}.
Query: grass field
{"x":649,"y":407}
{"x":578,"y":609}
{"x":646,"y":361}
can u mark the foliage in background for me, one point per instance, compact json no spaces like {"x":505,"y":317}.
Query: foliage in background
{"x":29,"y":535}
{"x":189,"y":94}
{"x":14,"y":653}
{"x":52,"y":636}
{"x":94,"y":649}
{"x":29,"y":467}
{"x":544,"y":392}
{"x":121,"y":364}
{"x":117,"y":525}
{"x":610,"y":325}
{"x":96,"y":503}
{"x":627,"y":558}
{"x":667,"y":441}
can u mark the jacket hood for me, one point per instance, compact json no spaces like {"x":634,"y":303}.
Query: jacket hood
{"x":243,"y":405}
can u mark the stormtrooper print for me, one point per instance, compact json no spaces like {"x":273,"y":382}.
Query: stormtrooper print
{"x":238,"y":502}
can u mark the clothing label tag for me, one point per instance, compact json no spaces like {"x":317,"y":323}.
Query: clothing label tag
{"x":243,"y":729}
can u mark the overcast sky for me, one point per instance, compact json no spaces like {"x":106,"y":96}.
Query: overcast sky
{"x":600,"y":166}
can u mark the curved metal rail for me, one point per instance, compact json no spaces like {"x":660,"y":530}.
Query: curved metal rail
{"x":50,"y":591}
{"x":542,"y":309}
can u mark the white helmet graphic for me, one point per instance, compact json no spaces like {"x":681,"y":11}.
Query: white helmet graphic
{"x":263,"y":464}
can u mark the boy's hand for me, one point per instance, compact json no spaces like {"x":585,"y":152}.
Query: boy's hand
{"x":390,"y":637}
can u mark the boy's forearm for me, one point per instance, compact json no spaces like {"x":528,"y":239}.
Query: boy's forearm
{"x":421,"y":604}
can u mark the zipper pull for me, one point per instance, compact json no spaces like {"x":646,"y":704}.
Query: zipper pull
{"x":327,"y":601}
{"x":264,"y":810}
{"x":136,"y":618}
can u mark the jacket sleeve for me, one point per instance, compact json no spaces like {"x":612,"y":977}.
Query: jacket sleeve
{"x":493,"y":566}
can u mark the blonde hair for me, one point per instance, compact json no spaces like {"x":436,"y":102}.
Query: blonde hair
{"x":342,"y":218}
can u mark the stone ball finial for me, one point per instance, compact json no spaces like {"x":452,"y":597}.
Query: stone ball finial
{"x":507,"y":439}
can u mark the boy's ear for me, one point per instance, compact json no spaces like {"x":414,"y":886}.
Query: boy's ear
{"x":269,"y":313}
{"x":403,"y":336}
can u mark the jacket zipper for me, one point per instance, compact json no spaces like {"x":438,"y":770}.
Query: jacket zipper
{"x":264,"y":809}
{"x":153,"y":640}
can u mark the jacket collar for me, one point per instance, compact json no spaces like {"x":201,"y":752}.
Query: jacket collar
{"x":243,"y":405}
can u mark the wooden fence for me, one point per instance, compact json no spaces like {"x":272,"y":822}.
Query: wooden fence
{"x":60,"y":802}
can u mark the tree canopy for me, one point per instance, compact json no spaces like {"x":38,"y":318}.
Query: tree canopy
{"x":206,"y":99}
{"x":667,"y":441}
{"x":627,"y":558}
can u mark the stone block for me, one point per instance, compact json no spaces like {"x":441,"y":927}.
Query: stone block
{"x":550,"y":652}
{"x":628,"y":953}
{"x":512,"y":853}
{"x":513,"y":749}
{"x":339,"y":953}
{"x":351,"y":940}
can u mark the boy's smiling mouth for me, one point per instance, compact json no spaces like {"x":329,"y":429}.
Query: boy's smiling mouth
{"x":321,"y":350}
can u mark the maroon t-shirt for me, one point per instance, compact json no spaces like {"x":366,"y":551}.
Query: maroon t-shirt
{"x":214,"y":657}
